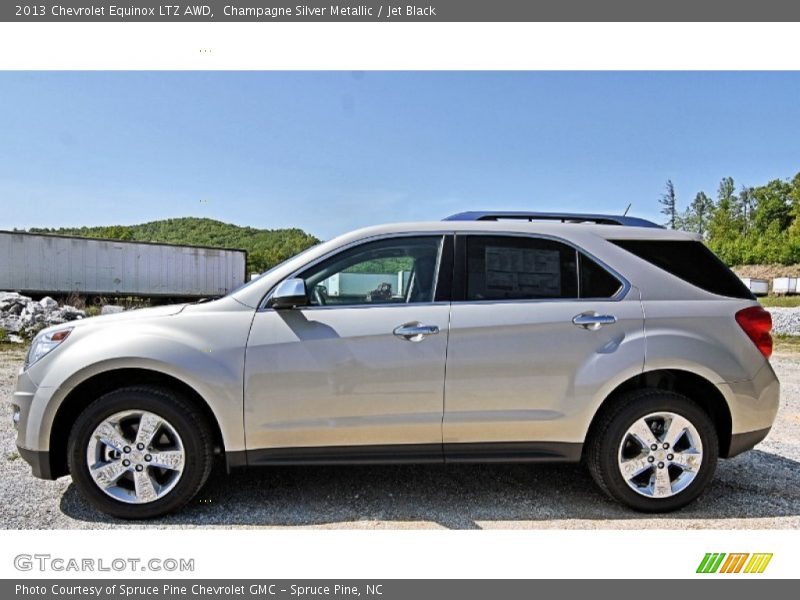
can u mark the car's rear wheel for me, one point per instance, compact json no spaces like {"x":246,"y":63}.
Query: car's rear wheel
{"x":140,"y":452}
{"x":654,"y":450}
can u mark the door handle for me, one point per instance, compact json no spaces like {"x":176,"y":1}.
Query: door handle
{"x":592,"y":321}
{"x":415,"y":332}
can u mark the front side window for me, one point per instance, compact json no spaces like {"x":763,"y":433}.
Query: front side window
{"x":400,"y":270}
{"x":522,"y":268}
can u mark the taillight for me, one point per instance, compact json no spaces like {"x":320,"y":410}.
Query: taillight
{"x":757,"y":324}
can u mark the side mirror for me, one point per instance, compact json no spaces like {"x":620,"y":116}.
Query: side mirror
{"x":290,"y":293}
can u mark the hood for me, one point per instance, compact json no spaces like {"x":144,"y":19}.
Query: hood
{"x":128,"y":315}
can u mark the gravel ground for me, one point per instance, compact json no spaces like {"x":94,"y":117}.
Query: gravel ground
{"x":785,"y":321}
{"x":757,"y":490}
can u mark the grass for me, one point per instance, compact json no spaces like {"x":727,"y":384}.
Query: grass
{"x":780,"y":301}
{"x":9,"y":347}
{"x":786,"y":343}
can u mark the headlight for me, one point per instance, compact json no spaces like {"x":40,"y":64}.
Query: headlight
{"x":44,"y":343}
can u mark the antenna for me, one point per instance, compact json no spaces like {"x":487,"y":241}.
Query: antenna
{"x":625,"y":214}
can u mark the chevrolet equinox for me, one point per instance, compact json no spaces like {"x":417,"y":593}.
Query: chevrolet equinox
{"x":486,"y":337}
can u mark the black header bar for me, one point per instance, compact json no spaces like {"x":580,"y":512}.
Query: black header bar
{"x":394,"y":11}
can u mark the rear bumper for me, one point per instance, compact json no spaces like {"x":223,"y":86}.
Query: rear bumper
{"x":39,"y":461}
{"x":753,"y":407}
{"x":742,"y":442}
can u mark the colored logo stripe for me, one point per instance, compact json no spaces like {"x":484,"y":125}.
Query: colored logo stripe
{"x":710,"y":563}
{"x":758,"y":563}
{"x":734,"y":563}
{"x":713,"y":562}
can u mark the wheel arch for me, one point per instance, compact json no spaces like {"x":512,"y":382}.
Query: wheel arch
{"x":91,"y":388}
{"x":708,"y":395}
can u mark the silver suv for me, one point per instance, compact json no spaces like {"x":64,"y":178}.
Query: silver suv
{"x":486,"y":337}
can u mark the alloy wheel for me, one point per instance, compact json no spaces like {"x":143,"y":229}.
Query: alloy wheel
{"x":660,"y":455}
{"x":135,"y":456}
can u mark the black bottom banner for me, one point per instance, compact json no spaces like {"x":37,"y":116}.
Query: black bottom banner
{"x":389,"y":589}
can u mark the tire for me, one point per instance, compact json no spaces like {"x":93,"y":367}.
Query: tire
{"x":176,"y":461}
{"x":664,"y":484}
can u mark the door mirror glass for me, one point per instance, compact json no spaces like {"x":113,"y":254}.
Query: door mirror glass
{"x":290,"y":293}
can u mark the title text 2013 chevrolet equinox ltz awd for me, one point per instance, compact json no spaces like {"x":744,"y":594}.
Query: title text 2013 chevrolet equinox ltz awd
{"x":486,"y":337}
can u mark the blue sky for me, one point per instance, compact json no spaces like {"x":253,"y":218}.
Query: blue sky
{"x":332,"y":151}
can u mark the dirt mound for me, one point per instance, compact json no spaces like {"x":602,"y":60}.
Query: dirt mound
{"x":767,"y":271}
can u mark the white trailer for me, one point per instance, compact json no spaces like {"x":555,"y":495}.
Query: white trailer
{"x":59,"y":265}
{"x":784,"y":285}
{"x":359,"y":284}
{"x":759,"y":287}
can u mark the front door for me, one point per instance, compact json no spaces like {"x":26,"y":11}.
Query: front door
{"x":360,"y":371}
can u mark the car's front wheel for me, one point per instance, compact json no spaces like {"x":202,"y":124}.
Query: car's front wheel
{"x":140,"y":452}
{"x":654,"y":450}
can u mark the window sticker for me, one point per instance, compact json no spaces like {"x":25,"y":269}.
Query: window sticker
{"x":523,"y":271}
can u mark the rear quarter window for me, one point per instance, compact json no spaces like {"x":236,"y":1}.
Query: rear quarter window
{"x":595,"y":281}
{"x":691,"y":261}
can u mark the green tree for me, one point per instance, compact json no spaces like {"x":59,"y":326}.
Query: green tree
{"x":794,"y":195}
{"x":726,"y":196}
{"x":698,"y":214}
{"x":726,"y":227}
{"x":669,"y":205}
{"x":119,"y":232}
{"x":772,"y":204}
{"x":265,"y":247}
{"x":747,"y":202}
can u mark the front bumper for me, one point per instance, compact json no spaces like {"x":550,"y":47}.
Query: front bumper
{"x":27,"y":425}
{"x":22,"y":400}
{"x":39,"y":460}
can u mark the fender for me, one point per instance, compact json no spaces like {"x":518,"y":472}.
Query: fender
{"x":208,"y":360}
{"x":706,"y":340}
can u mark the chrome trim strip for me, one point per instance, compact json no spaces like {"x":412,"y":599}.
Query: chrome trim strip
{"x":363,"y":306}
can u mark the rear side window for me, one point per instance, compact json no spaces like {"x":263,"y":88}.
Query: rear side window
{"x":690,"y":261}
{"x":516,"y":268}
{"x":522,"y":268}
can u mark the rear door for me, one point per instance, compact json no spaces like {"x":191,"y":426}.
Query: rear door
{"x":536,"y":327}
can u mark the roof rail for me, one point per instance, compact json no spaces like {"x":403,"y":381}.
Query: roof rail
{"x":485,"y":215}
